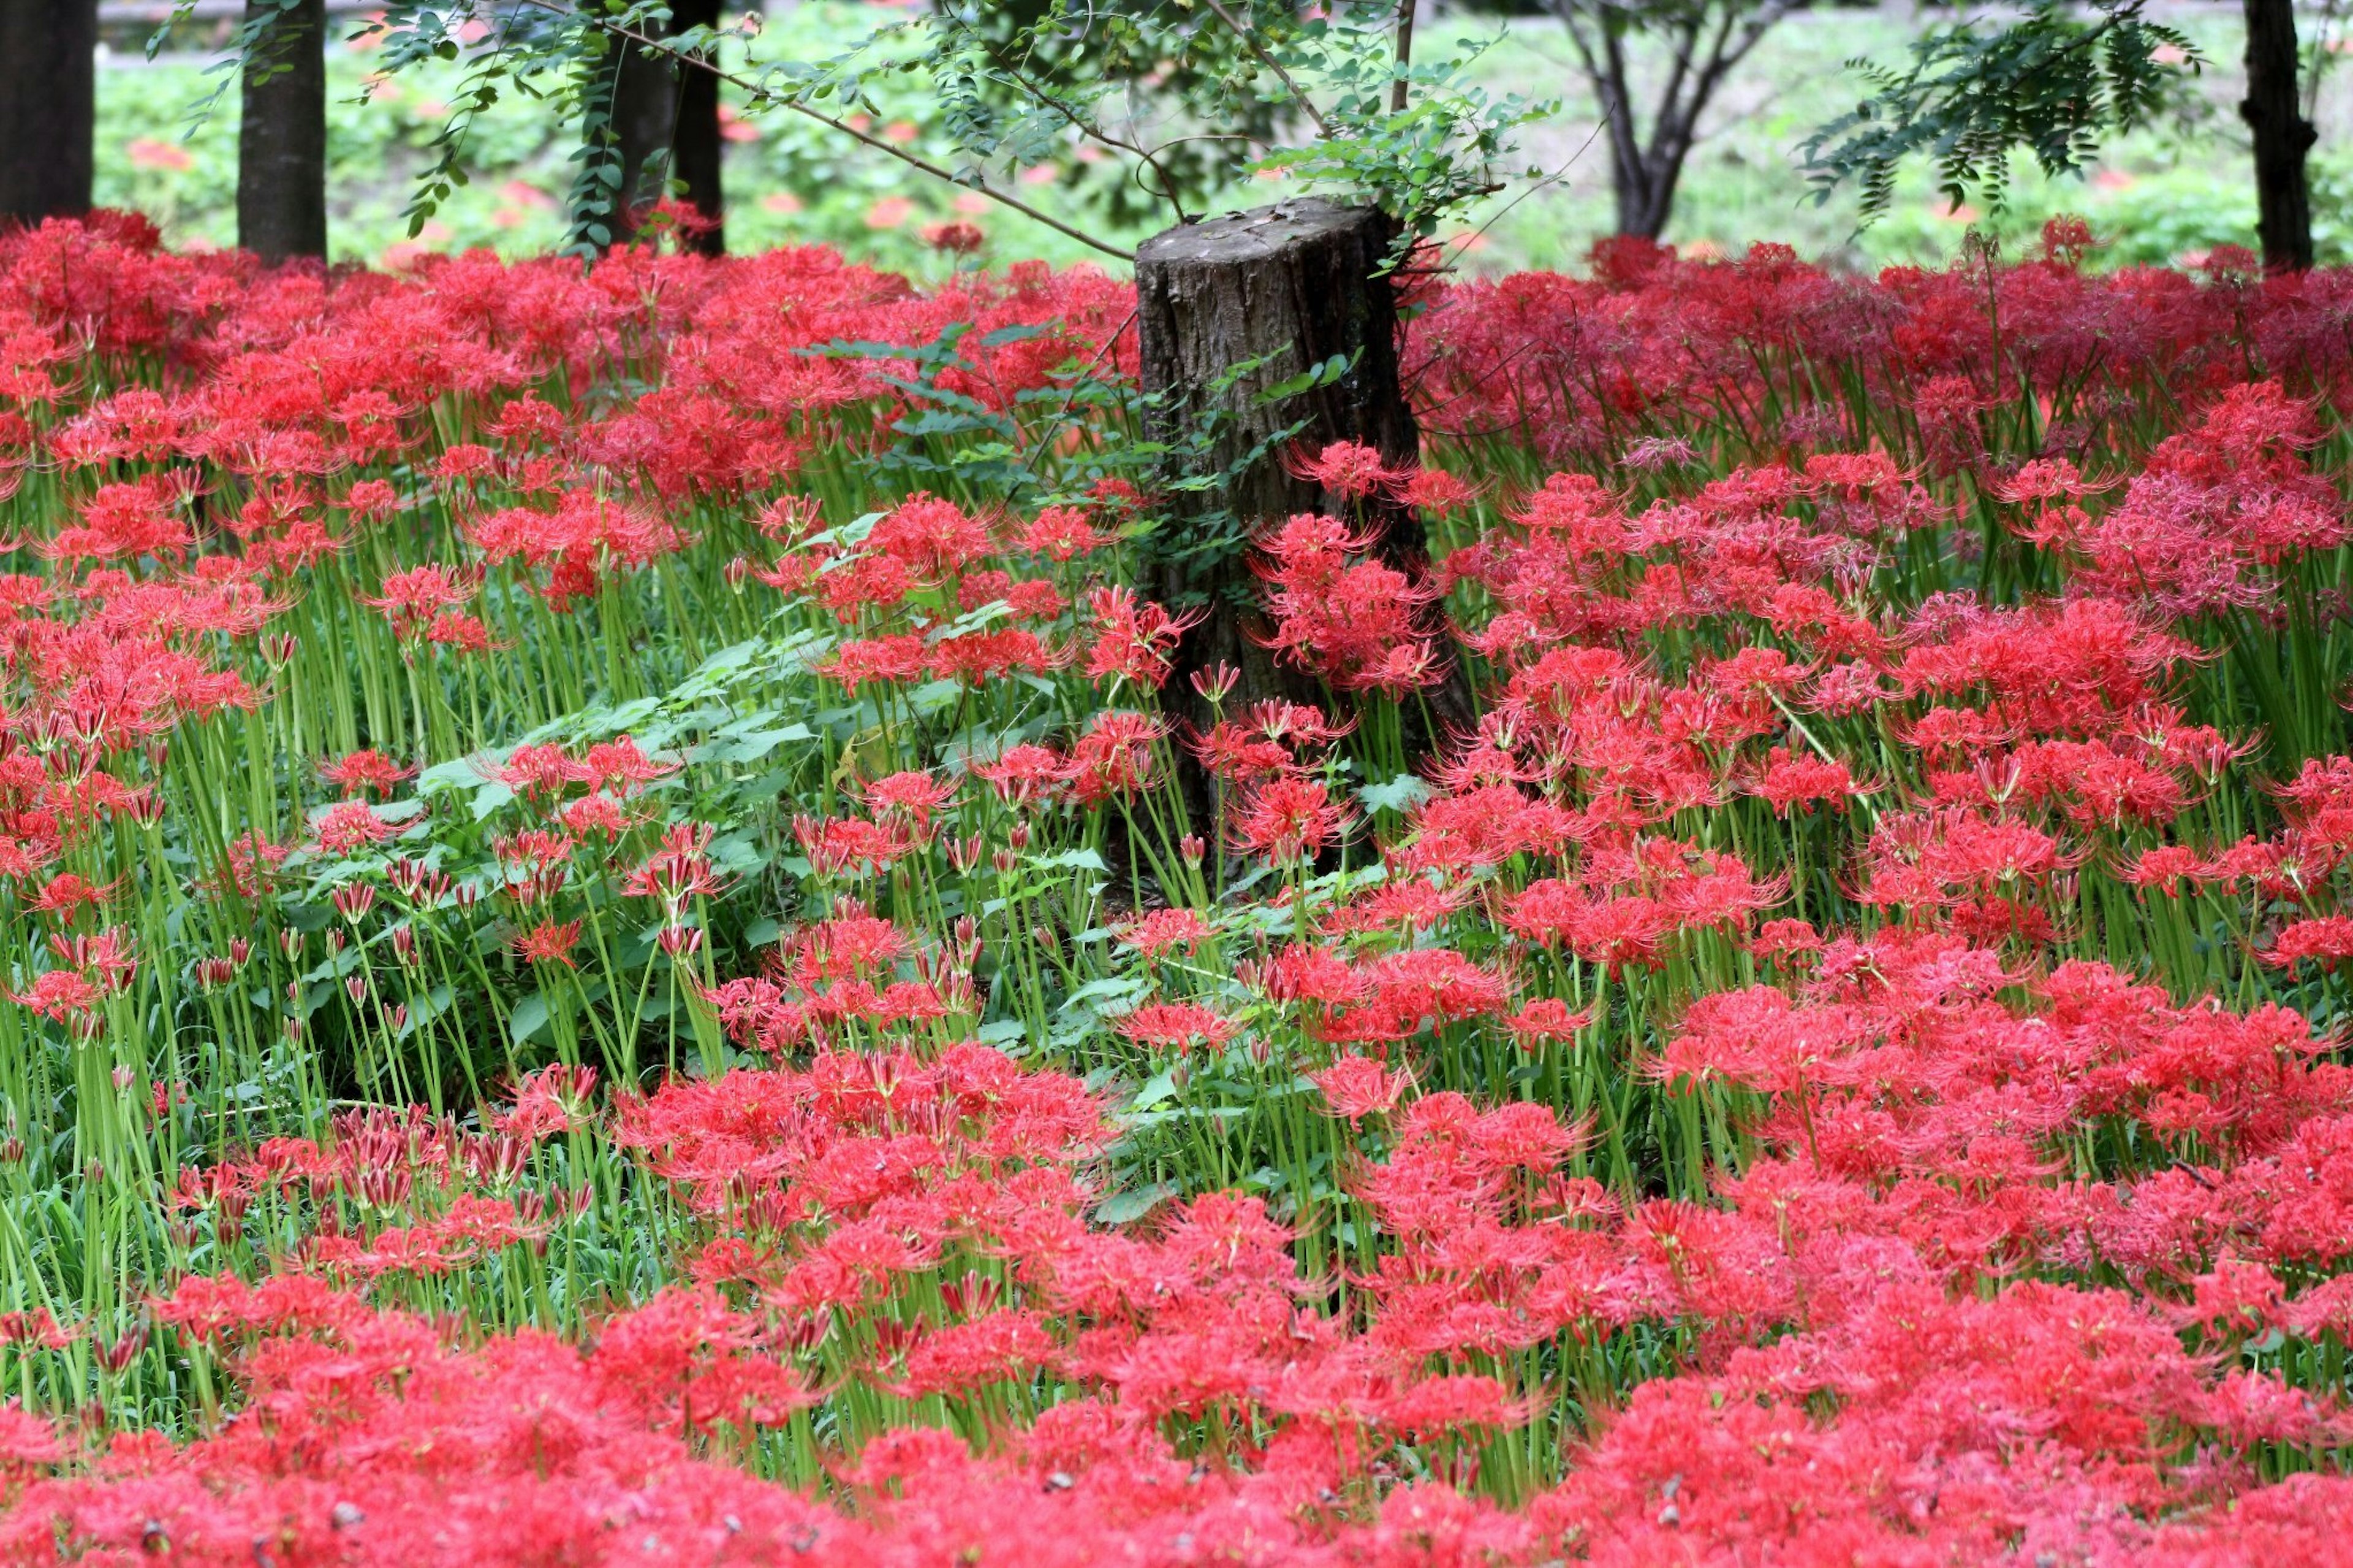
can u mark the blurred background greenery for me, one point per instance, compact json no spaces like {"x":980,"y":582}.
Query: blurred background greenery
{"x":2158,"y":195}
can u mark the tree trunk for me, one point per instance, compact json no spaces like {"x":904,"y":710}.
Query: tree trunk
{"x":694,"y":144}
{"x":2283,"y":136}
{"x":666,"y":120}
{"x":282,"y":134}
{"x":48,"y":105}
{"x":1293,"y":285}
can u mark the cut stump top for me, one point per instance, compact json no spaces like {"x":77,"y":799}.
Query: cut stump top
{"x":1253,"y":236}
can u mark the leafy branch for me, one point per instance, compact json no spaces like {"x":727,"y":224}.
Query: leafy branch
{"x":2054,"y":82}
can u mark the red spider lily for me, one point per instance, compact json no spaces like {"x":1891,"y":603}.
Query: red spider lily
{"x":1359,"y":1087}
{"x":1118,"y":754}
{"x":678,"y":872}
{"x":1290,"y":819}
{"x":547,"y":942}
{"x":363,"y":772}
{"x":64,"y":996}
{"x":1165,"y":1025}
{"x":1351,"y":621}
{"x":619,"y":768}
{"x":1025,"y":773}
{"x":1060,"y":533}
{"x":349,"y":826}
{"x":65,"y":893}
{"x":1346,"y":469}
{"x":1165,"y":931}
{"x":1134,"y":639}
{"x":914,"y":796}
{"x":2327,"y":939}
{"x":414,"y":600}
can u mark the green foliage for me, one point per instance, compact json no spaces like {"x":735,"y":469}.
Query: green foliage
{"x":1425,"y":163}
{"x":1175,"y":89}
{"x":1011,"y":90}
{"x":2052,"y":82}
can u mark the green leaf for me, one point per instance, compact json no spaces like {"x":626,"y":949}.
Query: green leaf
{"x":1400,"y":794}
{"x":1126,"y":1208}
{"x":529,"y":1018}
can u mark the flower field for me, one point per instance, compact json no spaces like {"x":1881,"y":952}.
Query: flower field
{"x":618,"y":949}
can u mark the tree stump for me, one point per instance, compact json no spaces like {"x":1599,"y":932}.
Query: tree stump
{"x":1291,"y":286}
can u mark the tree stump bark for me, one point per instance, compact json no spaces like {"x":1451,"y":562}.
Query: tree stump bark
{"x":48,"y":104}
{"x":282,"y":134}
{"x":1290,"y":287}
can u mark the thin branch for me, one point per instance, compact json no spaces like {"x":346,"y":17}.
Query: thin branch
{"x":1446,"y":263}
{"x":763,"y":95}
{"x":1084,"y":128}
{"x":1404,"y":55}
{"x":1250,"y":42}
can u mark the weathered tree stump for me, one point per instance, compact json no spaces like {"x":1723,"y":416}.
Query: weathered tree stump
{"x":1289,"y":286}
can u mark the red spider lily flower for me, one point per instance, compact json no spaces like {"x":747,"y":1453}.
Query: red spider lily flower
{"x":1165,"y":1025}
{"x":879,"y":661}
{"x":538,"y":771}
{"x":2327,"y":939}
{"x":912,"y":797}
{"x":930,"y":537}
{"x":1118,"y":754}
{"x":128,"y":521}
{"x":1436,"y":491}
{"x":1061,"y":534}
{"x":360,"y":772}
{"x":597,"y":815}
{"x":67,"y":893}
{"x":619,"y":768}
{"x":1025,"y":773}
{"x":1547,"y":1018}
{"x":547,"y":942}
{"x":1134,"y":639}
{"x":63,"y":996}
{"x":1346,"y":469}
{"x":1163,"y":930}
{"x":1359,"y":1087}
{"x":1290,"y":819}
{"x":351,"y":827}
{"x":836,"y":846}
{"x":679,"y":871}
{"x":1350,"y":620}
{"x":415,"y":599}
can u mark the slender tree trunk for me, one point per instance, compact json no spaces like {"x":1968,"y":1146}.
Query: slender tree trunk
{"x":282,"y":134}
{"x":2283,"y":136}
{"x":666,"y":120}
{"x":695,"y":144}
{"x":48,"y":105}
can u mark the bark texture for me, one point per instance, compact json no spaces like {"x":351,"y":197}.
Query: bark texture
{"x":282,"y":134}
{"x":1293,"y":284}
{"x":666,"y":119}
{"x":2283,"y":136}
{"x":48,"y":102}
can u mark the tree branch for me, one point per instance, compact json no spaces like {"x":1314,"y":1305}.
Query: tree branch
{"x":760,"y":94}
{"x":1249,"y":41}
